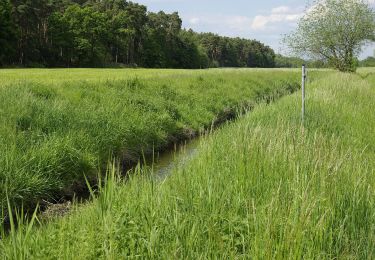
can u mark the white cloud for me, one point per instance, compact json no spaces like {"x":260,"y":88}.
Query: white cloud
{"x":194,"y":20}
{"x":267,"y":26}
{"x":282,"y":15}
{"x":218,"y":22}
{"x":278,"y":19}
{"x":281,"y":10}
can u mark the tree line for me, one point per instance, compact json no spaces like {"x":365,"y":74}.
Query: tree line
{"x":99,"y":33}
{"x":296,"y":62}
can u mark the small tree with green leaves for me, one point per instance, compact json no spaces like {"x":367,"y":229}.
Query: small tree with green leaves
{"x":334,"y":31}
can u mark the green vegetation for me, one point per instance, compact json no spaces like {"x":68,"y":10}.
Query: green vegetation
{"x":295,"y":62}
{"x":334,"y":31}
{"x":113,"y":33}
{"x":263,"y":187}
{"x":368,"y":62}
{"x":53,"y":132}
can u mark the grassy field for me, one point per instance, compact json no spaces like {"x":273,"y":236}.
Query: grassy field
{"x":264,"y":187}
{"x":57,"y":76}
{"x":59,"y":125}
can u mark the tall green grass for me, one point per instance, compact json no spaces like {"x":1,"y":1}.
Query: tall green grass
{"x":59,"y":125}
{"x":264,"y":187}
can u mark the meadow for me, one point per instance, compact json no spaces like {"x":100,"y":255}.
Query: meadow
{"x":60,"y":127}
{"x":262,"y":187}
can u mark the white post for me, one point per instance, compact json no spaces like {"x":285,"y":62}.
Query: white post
{"x":303,"y":91}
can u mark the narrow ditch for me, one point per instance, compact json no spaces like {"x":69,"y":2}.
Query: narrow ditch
{"x":178,"y":152}
{"x":180,"y":156}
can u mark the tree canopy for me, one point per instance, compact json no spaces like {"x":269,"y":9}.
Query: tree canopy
{"x":335,"y":31}
{"x":98,"y":33}
{"x":368,"y":62}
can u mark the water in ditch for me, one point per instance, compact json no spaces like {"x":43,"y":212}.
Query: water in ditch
{"x":166,"y":162}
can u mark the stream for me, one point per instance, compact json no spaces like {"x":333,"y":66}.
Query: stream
{"x":161,"y":167}
{"x":166,"y":162}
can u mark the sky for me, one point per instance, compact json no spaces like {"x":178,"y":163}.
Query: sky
{"x":263,"y":20}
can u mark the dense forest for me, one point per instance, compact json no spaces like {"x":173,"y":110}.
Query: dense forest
{"x":103,"y":33}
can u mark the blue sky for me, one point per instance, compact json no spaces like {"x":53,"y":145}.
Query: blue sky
{"x":264,"y":20}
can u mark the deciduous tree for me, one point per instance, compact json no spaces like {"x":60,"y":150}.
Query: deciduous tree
{"x":334,"y":30}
